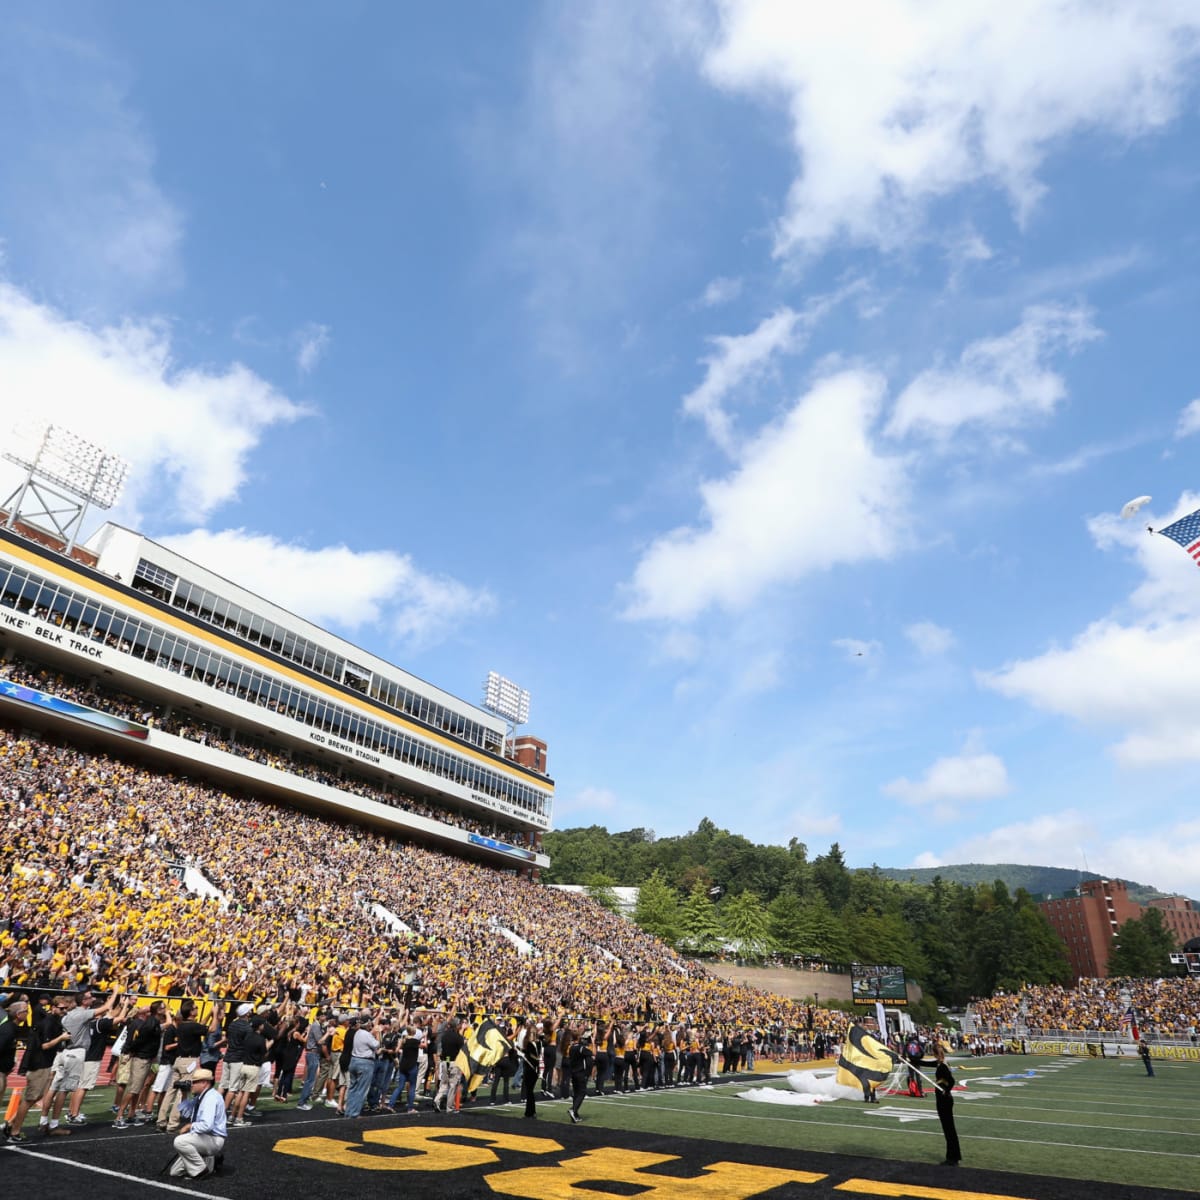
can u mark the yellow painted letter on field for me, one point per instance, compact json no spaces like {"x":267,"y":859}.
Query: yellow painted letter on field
{"x":912,"y":1191}
{"x":427,"y":1149}
{"x":719,"y":1181}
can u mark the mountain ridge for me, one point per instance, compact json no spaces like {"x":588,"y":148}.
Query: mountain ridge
{"x":1043,"y":882}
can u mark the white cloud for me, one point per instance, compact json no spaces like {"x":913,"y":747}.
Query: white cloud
{"x":1128,"y":672}
{"x":1165,"y":855}
{"x":78,"y":195}
{"x":998,"y":383}
{"x":809,"y":491}
{"x":720,"y":291}
{"x":949,"y":782}
{"x":311,"y":343}
{"x":896,"y":103}
{"x":758,"y":674}
{"x":738,"y":361}
{"x":187,"y":431}
{"x":930,"y":639}
{"x":1189,"y":420}
{"x":588,"y":802}
{"x":338,"y":586}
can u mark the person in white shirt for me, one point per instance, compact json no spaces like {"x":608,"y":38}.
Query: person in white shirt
{"x":202,"y":1139}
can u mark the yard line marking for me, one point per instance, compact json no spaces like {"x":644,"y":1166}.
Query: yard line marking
{"x":154,"y":1183}
{"x":908,"y":1133}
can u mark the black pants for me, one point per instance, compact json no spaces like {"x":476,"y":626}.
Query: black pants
{"x":945,"y":1112}
{"x":601,"y":1073}
{"x":549,"y":1057}
{"x":528,"y":1091}
{"x":578,"y":1090}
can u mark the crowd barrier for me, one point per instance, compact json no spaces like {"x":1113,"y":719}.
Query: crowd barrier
{"x":1097,"y":1049}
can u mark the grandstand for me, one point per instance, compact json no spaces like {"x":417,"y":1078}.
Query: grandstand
{"x":198,"y":675}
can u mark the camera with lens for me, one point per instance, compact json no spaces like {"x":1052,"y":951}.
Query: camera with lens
{"x":184,"y":1087}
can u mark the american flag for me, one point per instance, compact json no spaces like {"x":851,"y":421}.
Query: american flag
{"x":1186,"y":531}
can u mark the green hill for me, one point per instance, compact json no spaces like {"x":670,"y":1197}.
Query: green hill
{"x":1037,"y":881}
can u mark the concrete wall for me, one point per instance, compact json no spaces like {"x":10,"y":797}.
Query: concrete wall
{"x":797,"y":985}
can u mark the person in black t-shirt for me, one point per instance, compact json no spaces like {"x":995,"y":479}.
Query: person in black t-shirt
{"x":255,"y":1046}
{"x":580,"y":1057}
{"x":144,"y":1038}
{"x":189,"y":1041}
{"x":406,"y":1069}
{"x":10,"y":1020}
{"x":447,"y":1096}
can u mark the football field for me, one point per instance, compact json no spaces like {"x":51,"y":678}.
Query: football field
{"x":1031,"y":1129}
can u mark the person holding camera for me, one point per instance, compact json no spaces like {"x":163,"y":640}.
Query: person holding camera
{"x":363,"y":1051}
{"x":202,"y":1139}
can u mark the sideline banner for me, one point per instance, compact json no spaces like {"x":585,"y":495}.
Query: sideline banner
{"x":1086,"y":1049}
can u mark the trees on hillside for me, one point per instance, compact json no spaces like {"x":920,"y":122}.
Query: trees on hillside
{"x":957,"y":940}
{"x":1143,"y":947}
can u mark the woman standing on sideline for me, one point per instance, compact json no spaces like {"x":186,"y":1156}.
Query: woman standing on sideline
{"x":529,"y":1045}
{"x":944,"y":1098}
{"x":580,"y":1057}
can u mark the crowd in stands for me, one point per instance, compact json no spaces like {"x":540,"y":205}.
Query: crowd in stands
{"x":89,"y":841}
{"x":1169,"y":1008}
{"x":189,"y":726}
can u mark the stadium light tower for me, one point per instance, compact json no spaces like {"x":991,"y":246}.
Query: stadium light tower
{"x":63,"y":477}
{"x":504,"y":698}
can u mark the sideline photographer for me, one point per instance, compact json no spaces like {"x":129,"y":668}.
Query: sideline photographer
{"x":202,"y":1139}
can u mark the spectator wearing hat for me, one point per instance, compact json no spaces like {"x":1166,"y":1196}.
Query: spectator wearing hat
{"x":235,"y":1053}
{"x":11,"y":1017}
{"x":202,"y":1139}
{"x":255,"y":1045}
{"x":42,"y":1042}
{"x":363,"y":1051}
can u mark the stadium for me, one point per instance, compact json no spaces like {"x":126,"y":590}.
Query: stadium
{"x":207,"y":797}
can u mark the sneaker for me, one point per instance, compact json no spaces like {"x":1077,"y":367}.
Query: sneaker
{"x":304,"y":1108}
{"x":329,"y":1103}
{"x":17,"y":1138}
{"x":120,"y":1123}
{"x":115,"y":1110}
{"x":250,"y":1110}
{"x":575,"y":1117}
{"x":141,"y":1119}
{"x":77,"y":1121}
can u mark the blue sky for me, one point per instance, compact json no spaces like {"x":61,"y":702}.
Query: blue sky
{"x":756,"y":383}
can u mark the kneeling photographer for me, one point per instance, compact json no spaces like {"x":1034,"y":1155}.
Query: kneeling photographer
{"x":202,"y":1139}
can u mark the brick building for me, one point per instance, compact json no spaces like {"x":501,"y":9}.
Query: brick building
{"x":1088,"y":922}
{"x":1180,"y":916}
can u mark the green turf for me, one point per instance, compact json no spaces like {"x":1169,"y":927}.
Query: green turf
{"x":1081,"y":1119}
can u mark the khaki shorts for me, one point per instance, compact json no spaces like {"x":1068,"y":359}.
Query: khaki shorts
{"x":139,"y":1072}
{"x":68,"y":1071}
{"x":122,"y":1073}
{"x":243,"y":1077}
{"x":89,"y":1075}
{"x":36,"y":1083}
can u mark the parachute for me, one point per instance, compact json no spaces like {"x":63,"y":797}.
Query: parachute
{"x":1134,"y":507}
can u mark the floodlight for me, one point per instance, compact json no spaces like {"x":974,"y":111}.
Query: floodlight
{"x":504,"y":698}
{"x":64,"y":475}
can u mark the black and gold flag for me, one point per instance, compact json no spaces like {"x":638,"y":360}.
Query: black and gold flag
{"x":484,"y":1046}
{"x":864,"y":1060}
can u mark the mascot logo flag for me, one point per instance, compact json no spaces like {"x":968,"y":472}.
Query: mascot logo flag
{"x":864,"y":1060}
{"x":483,"y":1047}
